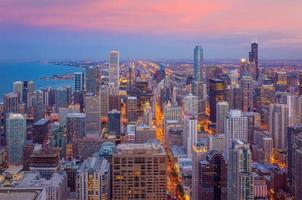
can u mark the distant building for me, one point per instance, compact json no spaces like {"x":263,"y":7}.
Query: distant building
{"x":247,"y":92}
{"x":114,"y":70}
{"x":222,"y":108}
{"x":79,"y":81}
{"x":93,"y":115}
{"x":253,"y":57}
{"x":92,"y":80}
{"x":216,"y":94}
{"x":131,"y":106}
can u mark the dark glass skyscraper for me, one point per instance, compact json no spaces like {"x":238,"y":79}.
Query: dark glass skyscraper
{"x":253,"y":57}
{"x":216,"y":95}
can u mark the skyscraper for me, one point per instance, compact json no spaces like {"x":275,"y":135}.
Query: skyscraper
{"x":114,"y":122}
{"x":114,"y":70}
{"x":190,"y":133}
{"x":253,"y":57}
{"x":198,"y":62}
{"x":190,"y":105}
{"x":235,"y":128}
{"x":18,"y":88}
{"x":131,"y":108}
{"x":11,"y":103}
{"x":278,"y":123}
{"x":93,"y":115}
{"x":216,"y":95}
{"x":247,"y":90}
{"x":92,"y":80}
{"x":79,"y":81}
{"x":15,"y":137}
{"x":213,"y":172}
{"x":61,"y":98}
{"x":222,"y":108}
{"x":240,"y":176}
{"x":76,"y":125}
{"x":104,"y":98}
{"x":294,"y":104}
{"x":93,"y":179}
{"x":146,"y":177}
{"x":38,"y":105}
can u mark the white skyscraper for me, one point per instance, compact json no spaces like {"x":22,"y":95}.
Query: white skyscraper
{"x":294,"y":104}
{"x":235,"y":127}
{"x":114,"y":69}
{"x":240,"y":176}
{"x":190,"y":133}
{"x":18,"y":88}
{"x":190,"y":105}
{"x":278,"y":123}
{"x":15,"y":137}
{"x":222,"y":108}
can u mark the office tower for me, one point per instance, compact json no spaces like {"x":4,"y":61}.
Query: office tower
{"x":18,"y":88}
{"x":172,"y":113}
{"x":190,"y":105}
{"x":114,"y":101}
{"x":278,"y":123}
{"x":237,"y":97}
{"x":92,"y":80}
{"x":294,"y":104}
{"x":38,"y":105}
{"x":146,"y":177}
{"x":104,"y":98}
{"x":198,"y":63}
{"x":69,"y":95}
{"x":281,"y":81}
{"x":222,"y":108}
{"x":253,"y":57}
{"x":244,"y":67}
{"x":262,"y":146}
{"x":93,"y":115}
{"x":147,"y":116}
{"x":235,"y":127}
{"x":216,"y":94}
{"x":267,"y":97}
{"x":216,"y":142}
{"x":190,"y":133}
{"x":247,"y":90}
{"x":199,"y":152}
{"x":240,"y":177}
{"x":254,"y":122}
{"x":57,"y":138}
{"x":294,"y":136}
{"x":76,"y":125}
{"x":131,"y":106}
{"x":93,"y":179}
{"x":15,"y":137}
{"x":61,"y":98}
{"x":114,"y":122}
{"x":197,"y":91}
{"x":213,"y":172}
{"x":298,"y":174}
{"x":79,"y":81}
{"x":11,"y":103}
{"x":144,"y":134}
{"x":114,"y":70}
{"x":40,"y":130}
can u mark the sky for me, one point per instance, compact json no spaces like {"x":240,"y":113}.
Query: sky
{"x":148,"y":29}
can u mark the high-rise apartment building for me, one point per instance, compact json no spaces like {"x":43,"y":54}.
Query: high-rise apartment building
{"x":222,"y":108}
{"x":235,"y":128}
{"x":247,"y":91}
{"x":278,"y":123}
{"x":11,"y":103}
{"x":240,"y":176}
{"x":18,"y":87}
{"x":114,"y":70}
{"x":93,"y":179}
{"x":139,"y":172}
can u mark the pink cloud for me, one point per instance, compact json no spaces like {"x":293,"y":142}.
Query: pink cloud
{"x":177,"y":17}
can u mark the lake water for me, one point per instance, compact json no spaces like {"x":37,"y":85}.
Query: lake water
{"x":33,"y":71}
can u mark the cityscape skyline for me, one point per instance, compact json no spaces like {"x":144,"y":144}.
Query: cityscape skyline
{"x":166,"y":30}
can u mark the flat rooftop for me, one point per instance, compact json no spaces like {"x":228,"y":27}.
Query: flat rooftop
{"x":20,"y":194}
